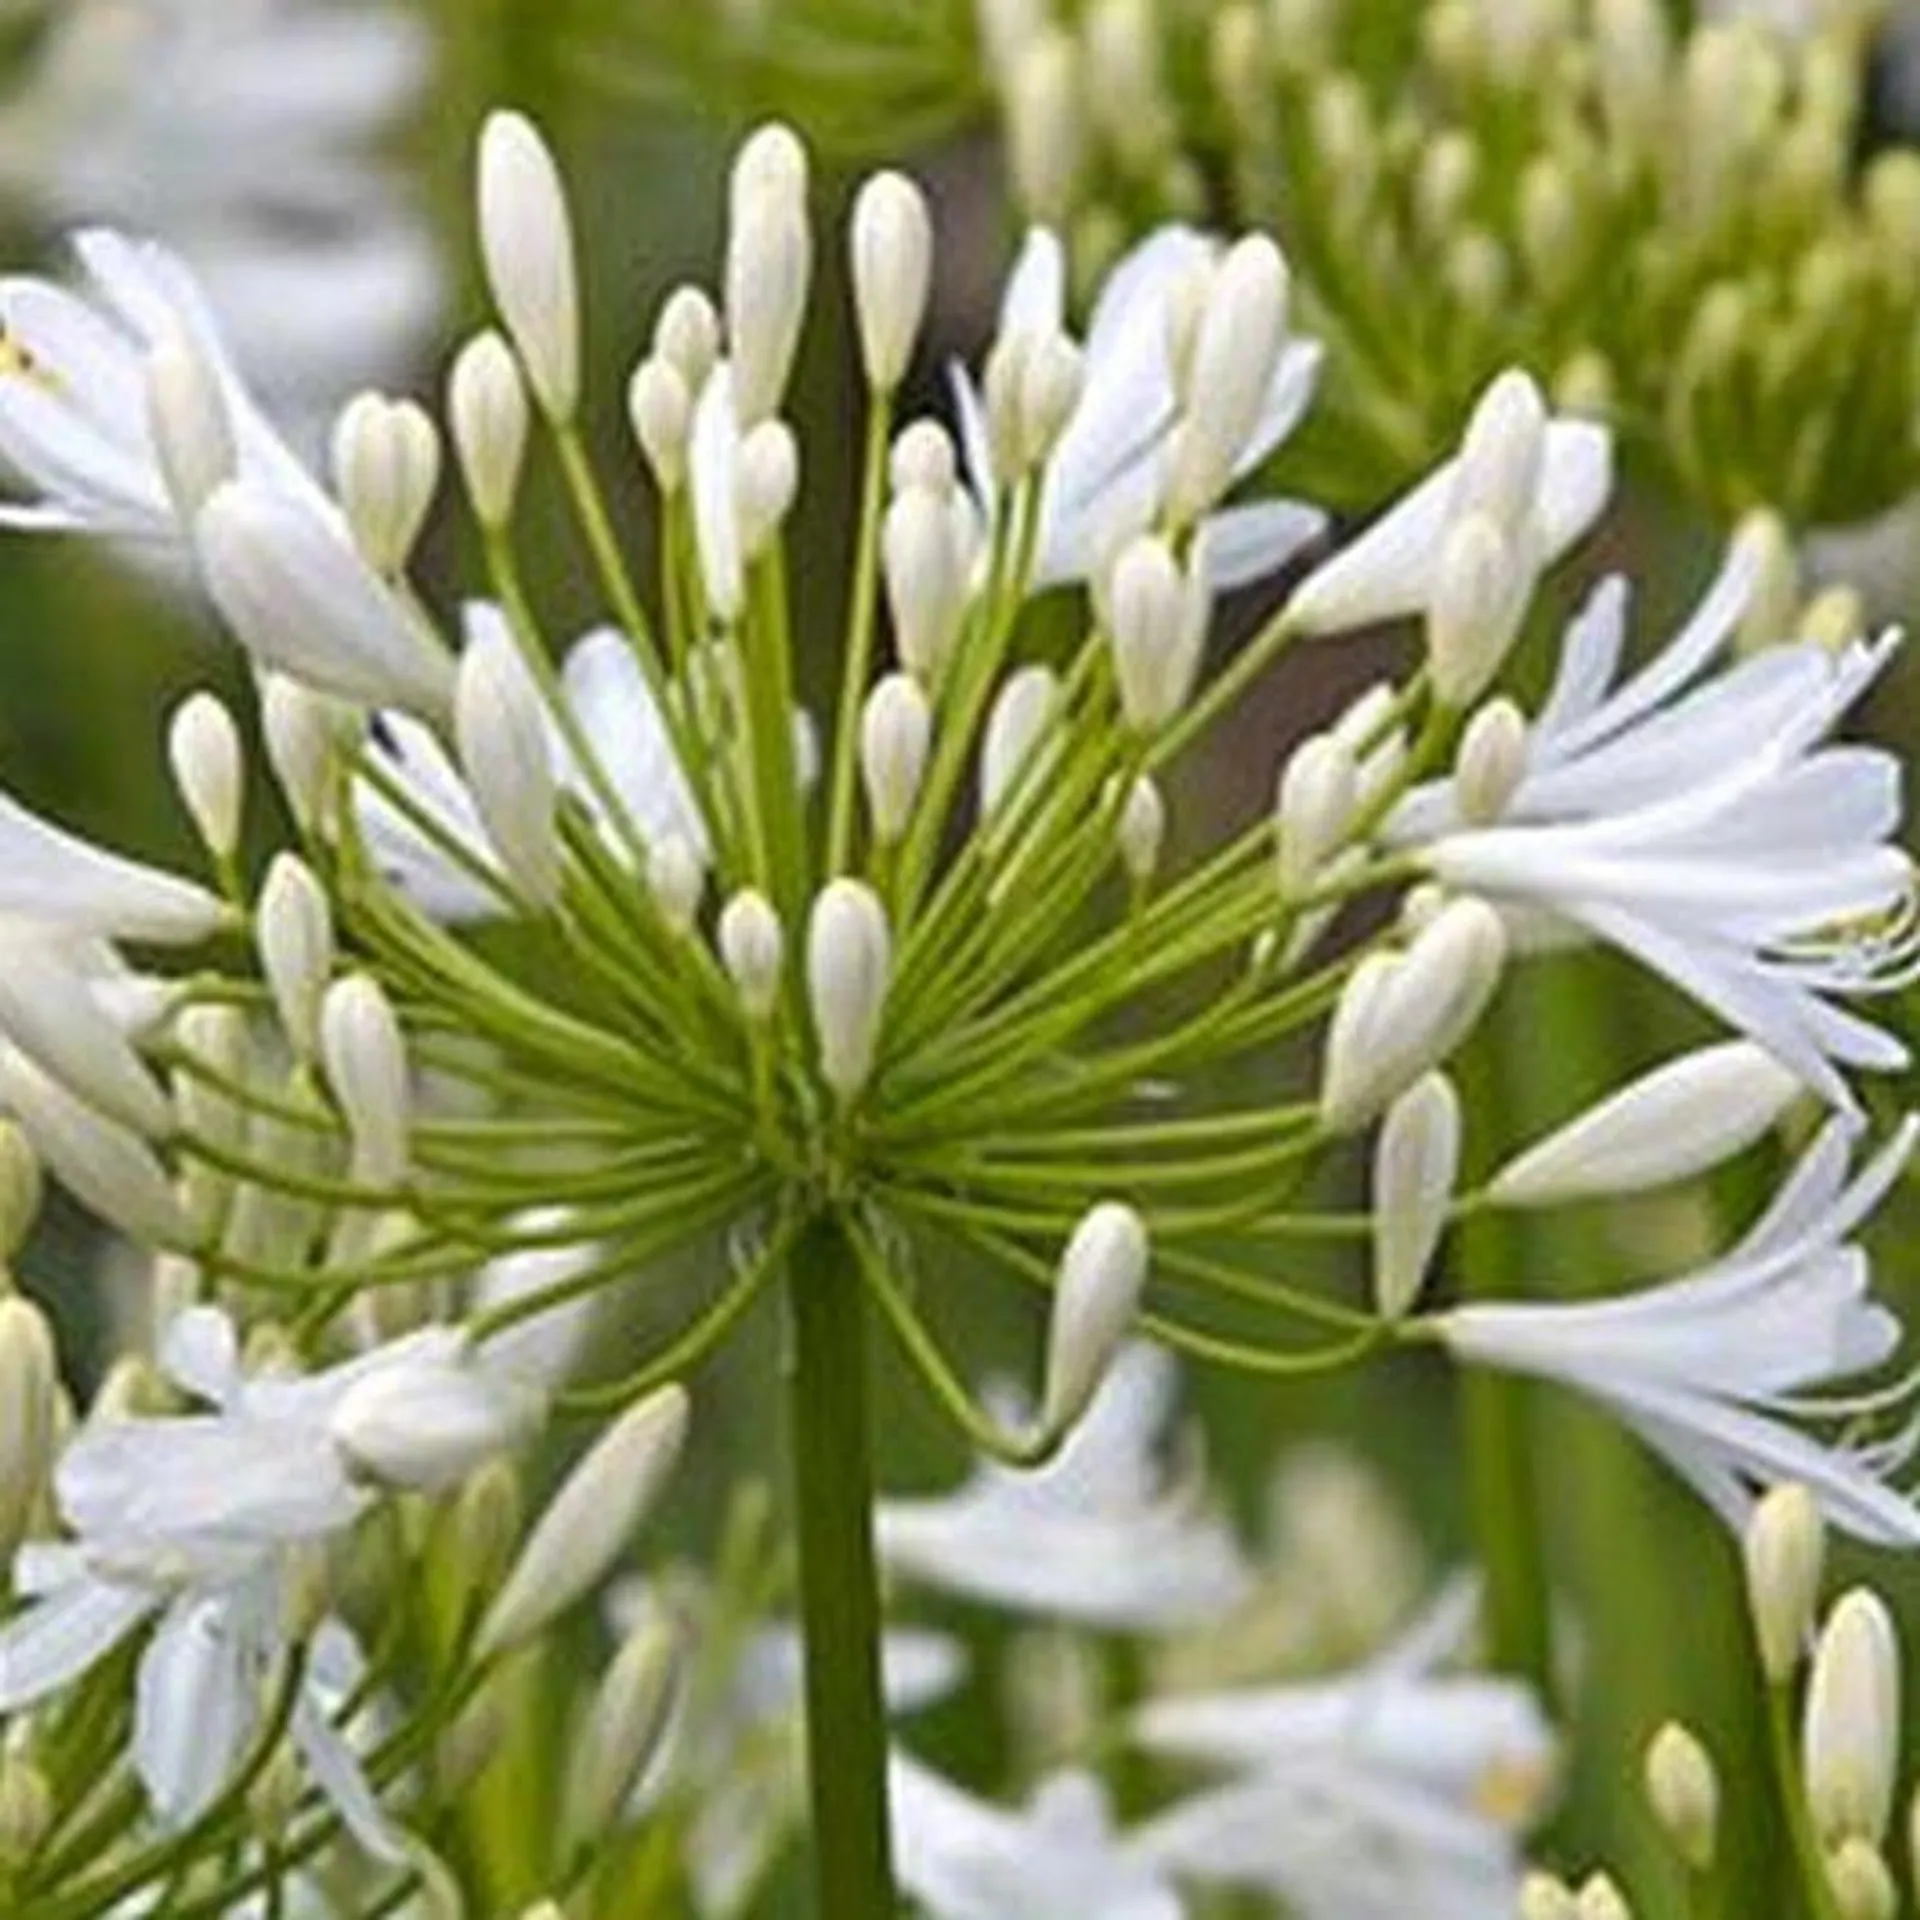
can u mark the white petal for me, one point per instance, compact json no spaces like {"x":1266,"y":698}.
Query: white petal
{"x":195,"y":1707}
{"x":55,"y":1640}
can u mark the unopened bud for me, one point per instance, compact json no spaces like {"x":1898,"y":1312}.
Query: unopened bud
{"x":753,"y":950}
{"x":896,"y":733}
{"x":1416,"y":1162}
{"x":1046,"y":126}
{"x":302,"y":729}
{"x":366,"y":1062}
{"x":687,"y":336}
{"x":20,"y":1189}
{"x":1023,"y":713}
{"x":1683,"y":1790}
{"x":189,"y":424}
{"x":1785,"y":1550}
{"x":765,"y":484}
{"x":1312,"y":810}
{"x":1543,"y":1897}
{"x":926,"y":584}
{"x":1861,"y":1883}
{"x":768,"y":267}
{"x":1146,"y":610}
{"x":26,"y":1811}
{"x":1502,"y":455}
{"x":426,"y":1424}
{"x":676,"y":878}
{"x":1096,"y":1294}
{"x":892,"y":246}
{"x":1143,"y":830}
{"x":1491,"y":763}
{"x":1852,"y":1728}
{"x":660,"y":411}
{"x":1480,"y":596}
{"x":849,"y":960}
{"x":1834,"y":618}
{"x":487,"y":409}
{"x":203,"y":752}
{"x":526,"y":241}
{"x":500,"y":727}
{"x":386,"y":466}
{"x":923,"y":457}
{"x":1601,"y":1899}
{"x":29,"y":1400}
{"x":622,"y":1731}
{"x":293,"y":929}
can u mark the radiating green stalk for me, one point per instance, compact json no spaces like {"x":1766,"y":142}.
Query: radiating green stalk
{"x":839,"y":1586}
{"x":1807,"y":1851}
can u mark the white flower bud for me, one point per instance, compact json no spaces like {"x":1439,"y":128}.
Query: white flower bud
{"x":1046,"y":126}
{"x":1634,"y":50}
{"x":1023,"y":714}
{"x":27,"y":1810}
{"x":20,"y":1189}
{"x":426,"y":1424}
{"x":1318,"y":792}
{"x":892,"y":249}
{"x":366,"y":1061}
{"x":923,"y":457}
{"x":1785,"y":1551}
{"x":676,"y":877}
{"x":766,"y":482}
{"x":621,"y":1733}
{"x":1416,"y":1162}
{"x":386,"y":466}
{"x":1503,"y":455}
{"x":106,"y":1166}
{"x":1851,"y":1733}
{"x":487,"y":410}
{"x":293,"y":930}
{"x":189,"y":424}
{"x":1862,"y":1884}
{"x":48,"y":1011}
{"x":687,"y":336}
{"x":302,"y":729}
{"x":1491,"y":763}
{"x":1096,"y":1294}
{"x":753,"y":950}
{"x":849,"y":961}
{"x":1002,"y":398}
{"x":926,"y":584}
{"x":501,"y":729}
{"x":526,"y":241}
{"x":29,"y":1409}
{"x":1143,"y":830}
{"x":1542,"y":1897}
{"x":203,"y":752}
{"x":1480,"y":595}
{"x":600,"y":1506}
{"x":769,"y":263}
{"x":1147,"y":619}
{"x":1053,"y":375}
{"x":1187,"y":296}
{"x":896,"y":733}
{"x":660,"y":411}
{"x":1683,"y":1790}
{"x":1682,"y":1118}
{"x":1601,"y":1899}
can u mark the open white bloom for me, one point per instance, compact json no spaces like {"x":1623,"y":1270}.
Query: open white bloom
{"x":1109,"y":472}
{"x":1100,"y":1536}
{"x":965,"y":1859}
{"x":1714,"y":1370}
{"x":1699,"y":822}
{"x":1389,"y":1791}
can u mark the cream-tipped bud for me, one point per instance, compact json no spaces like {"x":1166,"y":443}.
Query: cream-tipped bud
{"x":1785,"y":1553}
{"x":303,"y":729}
{"x":1046,"y":125}
{"x":1053,"y":375}
{"x":426,"y":1424}
{"x":1683,"y":1789}
{"x":1491,"y":763}
{"x":1022,"y":715}
{"x":209,"y":771}
{"x":1545,"y":1897}
{"x":1502,"y":455}
{"x":892,"y":256}
{"x":923,"y":456}
{"x":189,"y":424}
{"x":849,"y":962}
{"x":677,"y":879}
{"x":500,"y":727}
{"x":29,"y":1416}
{"x":21,"y":1189}
{"x":365,"y":1055}
{"x":526,"y":242}
{"x":600,"y":1506}
{"x":1679,"y":1120}
{"x":768,"y":267}
{"x":1142,"y":831}
{"x":1480,"y":594}
{"x":686,"y":335}
{"x":386,"y":467}
{"x":293,"y":929}
{"x":1861,"y":1882}
{"x":1416,"y":1162}
{"x":1851,"y":1734}
{"x":1153,"y":664}
{"x":621,"y":1733}
{"x":765,"y":484}
{"x":1601,"y":1899}
{"x":1315,"y":803}
{"x":660,"y":411}
{"x":753,"y":950}
{"x":926,"y":583}
{"x":1096,"y":1294}
{"x":896,"y":734}
{"x":487,"y":410}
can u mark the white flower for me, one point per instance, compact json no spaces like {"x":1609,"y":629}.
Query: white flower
{"x":1714,"y":1370}
{"x":965,"y":1859}
{"x":1107,"y":477}
{"x":1099,"y":1536}
{"x":1390,"y":1791}
{"x":1698,"y":823}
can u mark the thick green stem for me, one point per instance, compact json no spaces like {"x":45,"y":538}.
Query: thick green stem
{"x":839,"y":1587}
{"x":1807,"y":1851}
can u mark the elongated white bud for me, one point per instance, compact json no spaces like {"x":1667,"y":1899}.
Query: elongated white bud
{"x":1543,"y":1897}
{"x":1046,"y":125}
{"x":1785,"y":1550}
{"x":753,"y":950}
{"x":48,"y":1012}
{"x":1852,"y":1726}
{"x":923,"y":456}
{"x":29,"y":1410}
{"x":1143,"y":830}
{"x":203,"y":752}
{"x":487,"y":410}
{"x":766,"y":483}
{"x":1053,"y":377}
{"x":293,"y":929}
{"x":303,"y":730}
{"x":769,"y":265}
{"x":1096,"y":1294}
{"x":1416,"y":1162}
{"x":500,"y":726}
{"x":1316,"y":800}
{"x":1685,"y":1116}
{"x":926,"y":583}
{"x":107,"y":1166}
{"x":188,"y":421}
{"x":386,"y":467}
{"x":1491,"y":763}
{"x":1861,"y":1882}
{"x":426,"y":1424}
{"x":849,"y":961}
{"x":892,"y":255}
{"x":896,"y":734}
{"x":676,"y":878}
{"x":1683,"y":1790}
{"x":686,"y":335}
{"x":1479,"y":602}
{"x":1022,"y":716}
{"x":1601,"y":1899}
{"x":365,"y":1056}
{"x":21,"y":1187}
{"x":600,"y":1506}
{"x":1503,"y":455}
{"x":526,"y":241}
{"x":1147,"y":619}
{"x":1002,"y":395}
{"x":621,"y":1733}
{"x":660,"y":411}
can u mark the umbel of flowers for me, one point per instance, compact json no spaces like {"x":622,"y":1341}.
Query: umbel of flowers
{"x":583,"y":954}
